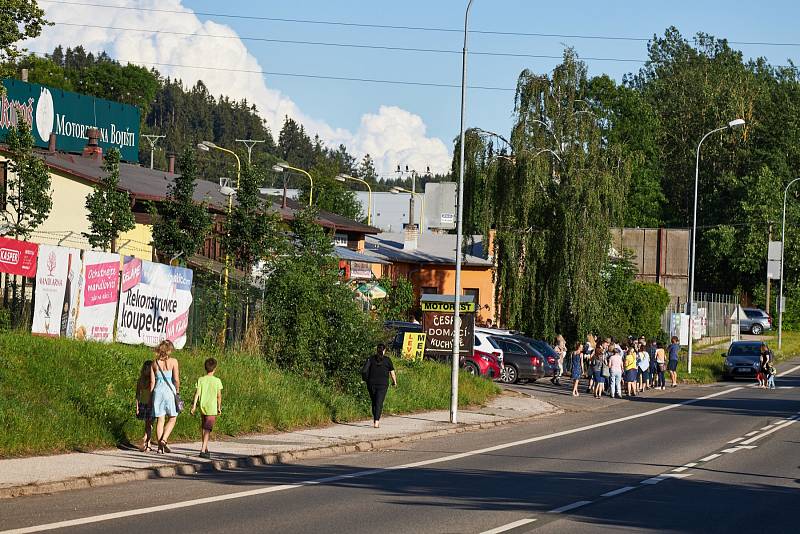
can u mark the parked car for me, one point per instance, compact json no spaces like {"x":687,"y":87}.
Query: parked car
{"x":742,"y":360}
{"x":400,"y":328}
{"x":482,"y":363}
{"x":483,"y":342}
{"x":755,"y":321}
{"x":521,"y":361}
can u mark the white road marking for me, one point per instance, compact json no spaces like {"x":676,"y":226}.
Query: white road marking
{"x":690,"y":465}
{"x":358,"y":474}
{"x":747,"y":446}
{"x":793,"y":369}
{"x":753,"y":433}
{"x":663,"y":477}
{"x":710,"y":457}
{"x":731,"y":450}
{"x":792,"y":421}
{"x":737,"y":440}
{"x":616,"y":492}
{"x":766,"y":427}
{"x":509,"y":526}
{"x":570,"y":507}
{"x":679,"y":469}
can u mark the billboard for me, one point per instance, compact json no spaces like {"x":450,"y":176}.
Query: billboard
{"x":53,"y":295}
{"x":68,"y":115}
{"x":18,"y":257}
{"x":98,"y":288}
{"x":154,"y":303}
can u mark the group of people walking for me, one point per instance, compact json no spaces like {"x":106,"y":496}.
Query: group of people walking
{"x":633,"y":366}
{"x":158,"y":399}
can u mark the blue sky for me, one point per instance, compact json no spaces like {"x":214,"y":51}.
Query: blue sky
{"x":394,"y":123}
{"x":342,"y":103}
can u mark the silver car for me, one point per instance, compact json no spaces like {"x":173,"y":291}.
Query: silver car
{"x":755,"y":321}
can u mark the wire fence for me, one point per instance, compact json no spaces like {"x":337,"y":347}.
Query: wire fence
{"x":714,"y":313}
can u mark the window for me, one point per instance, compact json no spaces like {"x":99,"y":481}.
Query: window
{"x":340,"y":240}
{"x":430,"y":290}
{"x":475,"y":292}
{"x":511,"y":348}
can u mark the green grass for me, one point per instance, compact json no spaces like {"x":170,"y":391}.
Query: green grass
{"x":707,"y":368}
{"x":62,"y":395}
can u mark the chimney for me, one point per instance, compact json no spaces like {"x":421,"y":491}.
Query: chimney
{"x":410,"y":238}
{"x":24,"y":75}
{"x":92,"y":148}
{"x":171,"y":164}
{"x":51,"y":143}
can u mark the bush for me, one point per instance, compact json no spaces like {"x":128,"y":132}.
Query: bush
{"x":399,"y":299}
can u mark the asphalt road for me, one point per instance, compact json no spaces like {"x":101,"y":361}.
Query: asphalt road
{"x":719,"y":458}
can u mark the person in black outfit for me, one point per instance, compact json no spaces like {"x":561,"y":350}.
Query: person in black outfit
{"x":376,"y":372}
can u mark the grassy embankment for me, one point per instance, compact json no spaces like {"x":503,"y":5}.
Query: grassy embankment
{"x":61,"y":395}
{"x":707,"y":366}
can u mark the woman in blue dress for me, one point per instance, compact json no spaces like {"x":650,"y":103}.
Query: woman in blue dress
{"x":576,"y":360}
{"x":165,"y":383}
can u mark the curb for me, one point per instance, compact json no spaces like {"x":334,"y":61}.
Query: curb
{"x":194,"y":467}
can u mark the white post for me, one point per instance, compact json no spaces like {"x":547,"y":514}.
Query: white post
{"x":783,"y":247}
{"x":457,"y":303}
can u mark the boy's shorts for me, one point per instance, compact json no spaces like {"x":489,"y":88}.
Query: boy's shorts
{"x":208,"y":422}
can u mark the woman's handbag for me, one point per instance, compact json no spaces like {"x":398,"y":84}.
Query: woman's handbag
{"x":662,"y":367}
{"x":179,"y":404}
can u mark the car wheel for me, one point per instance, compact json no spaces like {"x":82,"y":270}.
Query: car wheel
{"x":756,"y":329}
{"x":471,"y":368}
{"x":509,"y":375}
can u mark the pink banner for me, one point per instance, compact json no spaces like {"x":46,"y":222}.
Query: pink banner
{"x":131,"y":274}
{"x":177,"y":326}
{"x":101,"y":284}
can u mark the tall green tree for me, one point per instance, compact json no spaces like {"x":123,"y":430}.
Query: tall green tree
{"x":553,"y":209}
{"x":181,"y":225}
{"x":21,"y":19}
{"x":28,"y":199}
{"x":109,"y":208}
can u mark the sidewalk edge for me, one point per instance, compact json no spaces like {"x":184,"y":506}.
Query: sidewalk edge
{"x":198,"y":466}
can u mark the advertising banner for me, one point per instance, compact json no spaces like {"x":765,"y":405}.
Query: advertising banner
{"x":413,"y":346}
{"x":99,"y":289}
{"x":154,"y":303}
{"x":52,"y":295}
{"x":72,"y":293}
{"x":18,"y":257}
{"x":68,"y":115}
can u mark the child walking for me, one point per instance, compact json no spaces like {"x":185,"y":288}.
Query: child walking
{"x":144,"y":404}
{"x":208,"y":392}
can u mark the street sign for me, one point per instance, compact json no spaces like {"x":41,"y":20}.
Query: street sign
{"x":774,"y":269}
{"x":438,"y":323}
{"x":774,"y":251}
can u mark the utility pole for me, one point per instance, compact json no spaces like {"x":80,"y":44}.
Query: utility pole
{"x":769,"y":281}
{"x":249,"y":143}
{"x":153,"y":139}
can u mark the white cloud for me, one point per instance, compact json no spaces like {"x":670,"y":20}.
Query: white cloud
{"x":390,"y":136}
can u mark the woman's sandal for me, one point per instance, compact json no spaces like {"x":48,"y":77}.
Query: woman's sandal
{"x":164,"y":447}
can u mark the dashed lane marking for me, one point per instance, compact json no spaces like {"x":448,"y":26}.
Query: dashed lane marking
{"x":737,"y":440}
{"x":690,"y":465}
{"x":753,"y":433}
{"x":569,"y":507}
{"x":619,"y":491}
{"x":768,"y":432}
{"x":509,"y":526}
{"x":731,"y":450}
{"x":663,"y":477}
{"x":710,"y":457}
{"x":679,"y":469}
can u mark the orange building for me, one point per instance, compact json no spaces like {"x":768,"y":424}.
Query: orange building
{"x":428,"y":262}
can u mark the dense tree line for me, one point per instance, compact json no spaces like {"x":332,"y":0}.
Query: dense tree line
{"x":573,"y":133}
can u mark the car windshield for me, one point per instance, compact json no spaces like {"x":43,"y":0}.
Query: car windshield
{"x":493,"y":343}
{"x":745,"y":349}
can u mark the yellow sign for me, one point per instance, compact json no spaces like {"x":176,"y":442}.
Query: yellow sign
{"x":413,"y":346}
{"x":464,"y":307}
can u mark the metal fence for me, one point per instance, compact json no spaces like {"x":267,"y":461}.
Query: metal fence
{"x":715,"y":311}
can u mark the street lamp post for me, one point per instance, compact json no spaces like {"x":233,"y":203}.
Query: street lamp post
{"x":396,"y":190}
{"x":732,"y":124}
{"x":250,"y":143}
{"x":457,"y":302}
{"x":280,"y":167}
{"x":783,"y":247}
{"x":345,"y":177}
{"x":206,"y":146}
{"x":152,"y":139}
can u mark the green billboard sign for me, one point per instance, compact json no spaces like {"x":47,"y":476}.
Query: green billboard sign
{"x":69,"y":115}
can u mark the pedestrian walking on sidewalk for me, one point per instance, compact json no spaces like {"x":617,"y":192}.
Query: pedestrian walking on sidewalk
{"x":674,"y":348}
{"x":661,"y":366}
{"x":165,"y":384}
{"x":615,"y":366}
{"x":376,"y":372}
{"x":144,"y":404}
{"x":561,"y":351}
{"x":577,"y":362}
{"x":208,"y":392}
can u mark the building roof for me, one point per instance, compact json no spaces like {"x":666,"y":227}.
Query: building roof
{"x":350,"y":255}
{"x":146,"y":184}
{"x":431,"y":249}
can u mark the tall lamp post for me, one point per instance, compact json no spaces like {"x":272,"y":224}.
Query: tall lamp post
{"x":345,"y":177}
{"x":152,"y":139}
{"x":783,"y":247}
{"x":206,"y":146}
{"x":732,"y":124}
{"x":397,"y":190}
{"x":280,"y":167}
{"x":457,"y":303}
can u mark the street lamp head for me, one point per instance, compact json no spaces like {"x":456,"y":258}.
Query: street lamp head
{"x":227,"y":190}
{"x":209,"y":144}
{"x":278,"y":167}
{"x":735,"y":123}
{"x":342,"y":177}
{"x":394,"y":191}
{"x":201,"y":146}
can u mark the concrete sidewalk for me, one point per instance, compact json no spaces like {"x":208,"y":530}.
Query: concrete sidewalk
{"x":49,"y":474}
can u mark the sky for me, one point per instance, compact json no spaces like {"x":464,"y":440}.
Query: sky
{"x":401,"y":124}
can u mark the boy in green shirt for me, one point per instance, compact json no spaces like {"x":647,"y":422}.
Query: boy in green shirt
{"x":209,"y":392}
